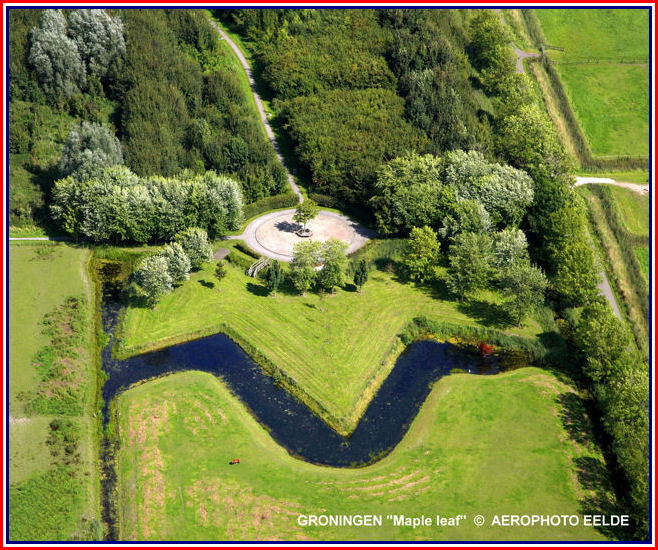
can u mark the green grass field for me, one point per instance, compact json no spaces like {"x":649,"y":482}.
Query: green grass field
{"x":338,"y":348}
{"x":41,"y":277}
{"x":513,"y":443}
{"x":612,"y":105}
{"x":609,"y":93}
{"x":635,"y":209}
{"x":597,"y":33}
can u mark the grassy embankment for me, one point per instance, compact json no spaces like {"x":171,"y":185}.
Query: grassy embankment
{"x":53,"y":483}
{"x":336,"y":349}
{"x":619,"y":219}
{"x":514,"y":443}
{"x":604,"y":71}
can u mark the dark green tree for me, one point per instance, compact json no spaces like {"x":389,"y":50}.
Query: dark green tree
{"x":220,"y":270}
{"x":361,"y":274}
{"x":274,"y":277}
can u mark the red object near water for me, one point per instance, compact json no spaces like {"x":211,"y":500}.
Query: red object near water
{"x":485,"y":349}
{"x":234,"y":461}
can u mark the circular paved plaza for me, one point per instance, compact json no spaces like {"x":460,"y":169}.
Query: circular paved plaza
{"x":273,"y":234}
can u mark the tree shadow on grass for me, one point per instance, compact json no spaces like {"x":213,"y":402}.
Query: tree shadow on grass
{"x":206,"y":284}
{"x":573,"y":415}
{"x":597,"y":497}
{"x":486,"y":313}
{"x":258,"y":290}
{"x":596,"y":493}
{"x":349,"y":287}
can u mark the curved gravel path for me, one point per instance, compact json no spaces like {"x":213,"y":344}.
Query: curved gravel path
{"x":259,"y":104}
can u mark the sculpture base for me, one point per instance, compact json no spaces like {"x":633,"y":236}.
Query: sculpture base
{"x":304,"y":232}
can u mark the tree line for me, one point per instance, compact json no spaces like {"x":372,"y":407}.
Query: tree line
{"x":118,"y":206}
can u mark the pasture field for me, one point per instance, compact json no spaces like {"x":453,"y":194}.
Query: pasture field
{"x":45,"y":502}
{"x":604,"y":69}
{"x":511,"y":443}
{"x":597,"y":33}
{"x":612,"y":105}
{"x":634,"y":208}
{"x":337,"y":348}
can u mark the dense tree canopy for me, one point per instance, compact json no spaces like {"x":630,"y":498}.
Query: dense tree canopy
{"x":89,"y":148}
{"x":118,"y":206}
{"x":99,"y":39}
{"x":55,"y":57}
{"x":427,"y":55}
{"x":343,"y":136}
{"x":503,"y":191}
{"x":410,"y":192}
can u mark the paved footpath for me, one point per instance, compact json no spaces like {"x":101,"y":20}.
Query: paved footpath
{"x":259,"y":104}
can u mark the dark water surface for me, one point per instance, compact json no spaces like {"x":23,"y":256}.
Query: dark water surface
{"x":288,"y":420}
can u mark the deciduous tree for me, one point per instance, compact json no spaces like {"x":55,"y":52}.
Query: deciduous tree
{"x":334,"y":264}
{"x":195,"y":244}
{"x":422,"y":253}
{"x":523,"y":286}
{"x":307,"y":256}
{"x":470,"y":263}
{"x":152,"y":277}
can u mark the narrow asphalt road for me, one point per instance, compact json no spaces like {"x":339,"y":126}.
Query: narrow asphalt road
{"x":259,"y":104}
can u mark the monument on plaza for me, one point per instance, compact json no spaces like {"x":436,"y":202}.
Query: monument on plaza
{"x":305,"y":212}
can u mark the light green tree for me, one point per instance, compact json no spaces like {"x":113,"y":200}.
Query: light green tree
{"x":195,"y":244}
{"x":305,"y":212}
{"x":178,"y":263}
{"x":152,"y":277}
{"x":422,"y":253}
{"x":307,"y":256}
{"x":334,"y":265}
{"x":470,"y":263}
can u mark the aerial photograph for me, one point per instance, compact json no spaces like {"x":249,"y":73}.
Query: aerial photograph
{"x":328,"y":274}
